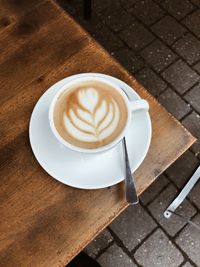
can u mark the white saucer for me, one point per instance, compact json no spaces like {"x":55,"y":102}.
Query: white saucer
{"x":84,"y":170}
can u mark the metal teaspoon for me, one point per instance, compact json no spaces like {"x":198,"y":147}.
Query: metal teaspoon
{"x":130,"y":190}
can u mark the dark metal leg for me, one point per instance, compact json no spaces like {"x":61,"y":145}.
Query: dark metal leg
{"x":87,"y":9}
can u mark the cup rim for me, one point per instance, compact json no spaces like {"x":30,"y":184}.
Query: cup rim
{"x":77,"y":148}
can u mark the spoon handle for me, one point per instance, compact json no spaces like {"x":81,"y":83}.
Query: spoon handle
{"x":131,"y":194}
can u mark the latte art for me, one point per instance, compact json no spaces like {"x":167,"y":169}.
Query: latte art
{"x":90,"y":115}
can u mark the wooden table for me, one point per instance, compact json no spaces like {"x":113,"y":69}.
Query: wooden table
{"x":43,"y":222}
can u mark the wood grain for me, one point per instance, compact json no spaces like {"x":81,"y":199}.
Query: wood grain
{"x":43,"y":222}
{"x":12,"y":10}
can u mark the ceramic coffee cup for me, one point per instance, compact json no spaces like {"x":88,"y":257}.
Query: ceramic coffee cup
{"x":132,"y":107}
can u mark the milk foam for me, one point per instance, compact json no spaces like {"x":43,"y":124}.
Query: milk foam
{"x":94,"y":119}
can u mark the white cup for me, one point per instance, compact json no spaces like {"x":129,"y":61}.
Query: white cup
{"x":132,"y":106}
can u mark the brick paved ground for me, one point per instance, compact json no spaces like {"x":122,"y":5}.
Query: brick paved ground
{"x":158,"y":41}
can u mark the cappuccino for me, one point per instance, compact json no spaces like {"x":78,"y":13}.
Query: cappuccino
{"x":90,"y":114}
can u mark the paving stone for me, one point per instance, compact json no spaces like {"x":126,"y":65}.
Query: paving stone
{"x":102,"y":34}
{"x":132,"y":226}
{"x":187,"y":264}
{"x":108,"y":39}
{"x":112,"y":19}
{"x":99,"y":243}
{"x":149,"y":194}
{"x":189,"y":241}
{"x":197,"y":67}
{"x":127,"y":4}
{"x":168,"y":29}
{"x":193,"y":97}
{"x":136,"y":36}
{"x":194,"y":194}
{"x":151,"y":81}
{"x":180,"y":76}
{"x":158,"y":251}
{"x":114,"y":256}
{"x":129,"y":60}
{"x":99,"y":5}
{"x":192,"y":122}
{"x":158,"y":55}
{"x":174,"y":103}
{"x":147,"y":11}
{"x":178,"y":8}
{"x":188,"y":47}
{"x":192,"y":22}
{"x":158,"y":206}
{"x":180,"y":171}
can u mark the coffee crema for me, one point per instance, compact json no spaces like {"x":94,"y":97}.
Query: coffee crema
{"x":90,"y":114}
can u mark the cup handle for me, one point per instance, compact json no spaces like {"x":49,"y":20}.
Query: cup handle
{"x":140,"y":104}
